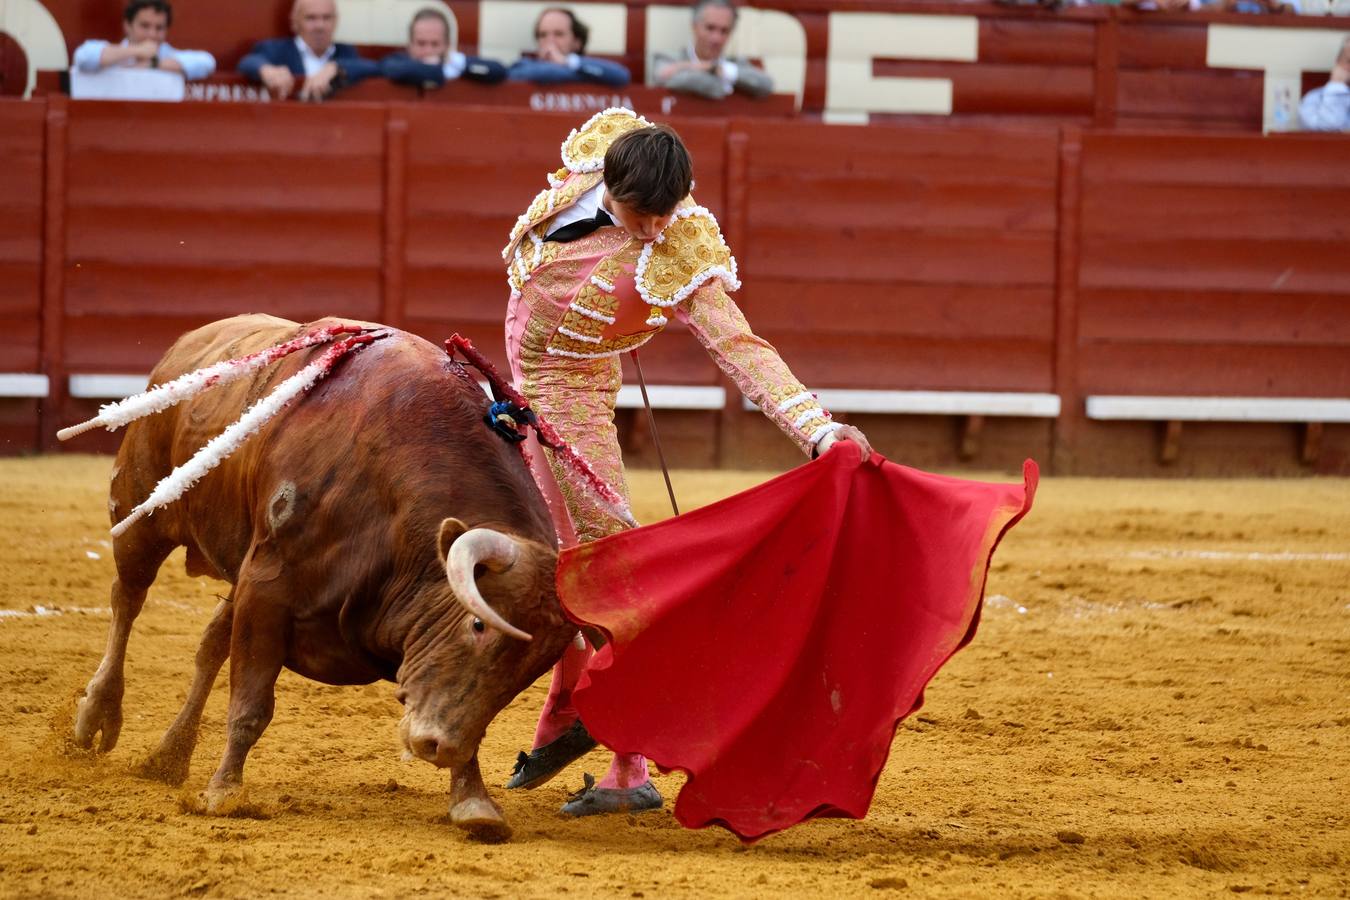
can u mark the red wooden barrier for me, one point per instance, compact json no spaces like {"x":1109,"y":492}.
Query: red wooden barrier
{"x":22,"y":146}
{"x":936,"y":258}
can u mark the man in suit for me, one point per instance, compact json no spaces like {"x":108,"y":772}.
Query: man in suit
{"x":310,"y":57}
{"x":701,"y":68}
{"x":429,"y":61}
{"x":560,"y":42}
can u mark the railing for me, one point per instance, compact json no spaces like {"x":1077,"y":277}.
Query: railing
{"x":1048,"y":263}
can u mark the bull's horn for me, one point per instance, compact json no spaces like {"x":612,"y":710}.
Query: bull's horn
{"x":481,"y":547}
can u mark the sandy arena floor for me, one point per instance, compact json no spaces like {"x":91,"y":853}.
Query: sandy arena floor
{"x":1157,"y":704}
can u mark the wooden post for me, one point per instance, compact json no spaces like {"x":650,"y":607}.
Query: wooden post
{"x":1106,"y":80}
{"x":1312,"y":443}
{"x":52,"y":352}
{"x":737,"y":184}
{"x":392,"y":299}
{"x":1068,"y":253}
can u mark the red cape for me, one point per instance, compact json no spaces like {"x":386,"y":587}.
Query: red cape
{"x":769,"y":644}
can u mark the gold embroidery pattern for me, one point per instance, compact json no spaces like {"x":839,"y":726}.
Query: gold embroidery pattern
{"x":691,"y":251}
{"x":752,"y":363}
{"x":584,"y":149}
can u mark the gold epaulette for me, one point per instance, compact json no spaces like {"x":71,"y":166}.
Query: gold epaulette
{"x":688,"y":253}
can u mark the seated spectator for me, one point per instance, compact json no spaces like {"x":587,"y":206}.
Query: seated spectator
{"x":1328,"y":108}
{"x":310,"y":55}
{"x":145,"y":46}
{"x":429,"y":61}
{"x":560,"y":40}
{"x":701,"y":68}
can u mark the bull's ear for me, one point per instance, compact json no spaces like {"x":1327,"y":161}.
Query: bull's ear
{"x":451,"y":529}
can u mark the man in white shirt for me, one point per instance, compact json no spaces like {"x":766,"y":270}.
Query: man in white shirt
{"x":702,"y":68}
{"x":1328,"y":108}
{"x":311,"y":56}
{"x":145,"y":24}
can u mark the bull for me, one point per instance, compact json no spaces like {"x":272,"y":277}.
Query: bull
{"x":374,"y":529}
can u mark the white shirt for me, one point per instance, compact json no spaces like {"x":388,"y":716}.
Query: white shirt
{"x":311,"y":61}
{"x":584,"y":208}
{"x":196,"y":63}
{"x":726,"y":70}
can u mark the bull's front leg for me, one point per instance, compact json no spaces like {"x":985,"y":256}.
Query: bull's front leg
{"x":258,"y":651}
{"x":472,"y":809}
{"x":138,"y":554}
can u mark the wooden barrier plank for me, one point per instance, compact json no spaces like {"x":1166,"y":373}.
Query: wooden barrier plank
{"x":174,"y":237}
{"x":956,"y":200}
{"x":1121,"y":367}
{"x":1213,"y":317}
{"x":1196,"y":159}
{"x":269,"y":131}
{"x":293,"y":291}
{"x":1163,"y":45}
{"x":1197,"y":96}
{"x":1008,"y":153}
{"x":884,"y":363}
{"x":21,"y":224}
{"x":995,"y":88}
{"x":225,"y":182}
{"x":1218,"y":211}
{"x":1287,"y":266}
{"x":1037,"y":42}
{"x":969,"y":256}
{"x":939,"y":311}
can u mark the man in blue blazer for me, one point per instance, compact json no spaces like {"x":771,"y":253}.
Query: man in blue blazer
{"x":560,"y":40}
{"x":429,"y":62}
{"x":311,"y":57}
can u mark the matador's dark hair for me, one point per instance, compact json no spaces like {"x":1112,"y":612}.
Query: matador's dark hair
{"x":649,"y":169}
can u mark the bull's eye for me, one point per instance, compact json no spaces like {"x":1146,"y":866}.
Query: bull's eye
{"x":478,"y":625}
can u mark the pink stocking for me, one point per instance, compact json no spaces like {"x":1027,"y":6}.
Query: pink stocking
{"x":558,"y":713}
{"x":629,"y":770}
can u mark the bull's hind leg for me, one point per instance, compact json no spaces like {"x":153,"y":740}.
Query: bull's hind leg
{"x":258,"y":642}
{"x":139,"y":554}
{"x":170,"y":761}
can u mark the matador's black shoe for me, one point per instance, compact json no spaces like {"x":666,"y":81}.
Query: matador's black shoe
{"x":538,"y":766}
{"x":594,"y":801}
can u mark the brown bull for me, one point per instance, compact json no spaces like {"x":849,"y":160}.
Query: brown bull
{"x":341,"y":525}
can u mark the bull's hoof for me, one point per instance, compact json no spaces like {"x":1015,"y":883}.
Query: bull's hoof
{"x":98,"y":716}
{"x":222,"y":799}
{"x":169,"y":767}
{"x":481,"y":820}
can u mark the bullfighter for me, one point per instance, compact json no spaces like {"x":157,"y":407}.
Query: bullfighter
{"x":598,"y":264}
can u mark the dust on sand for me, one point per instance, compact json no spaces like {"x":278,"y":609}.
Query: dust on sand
{"x":1155,"y":705}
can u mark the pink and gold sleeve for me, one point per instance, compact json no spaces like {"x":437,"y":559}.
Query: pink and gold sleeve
{"x":754,"y":365}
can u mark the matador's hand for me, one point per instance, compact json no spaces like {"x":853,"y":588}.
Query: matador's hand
{"x":847,"y":433}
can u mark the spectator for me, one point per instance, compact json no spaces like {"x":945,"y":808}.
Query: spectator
{"x":145,"y":46}
{"x":1328,"y":108}
{"x":429,"y":61}
{"x":701,"y":68}
{"x":311,"y":55}
{"x":560,"y":40}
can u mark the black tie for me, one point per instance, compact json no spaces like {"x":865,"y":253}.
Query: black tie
{"x":579,"y":229}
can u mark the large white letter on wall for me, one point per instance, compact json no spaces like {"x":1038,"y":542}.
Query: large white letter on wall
{"x":851,"y":90}
{"x":1284,"y":54}
{"x":34,"y":29}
